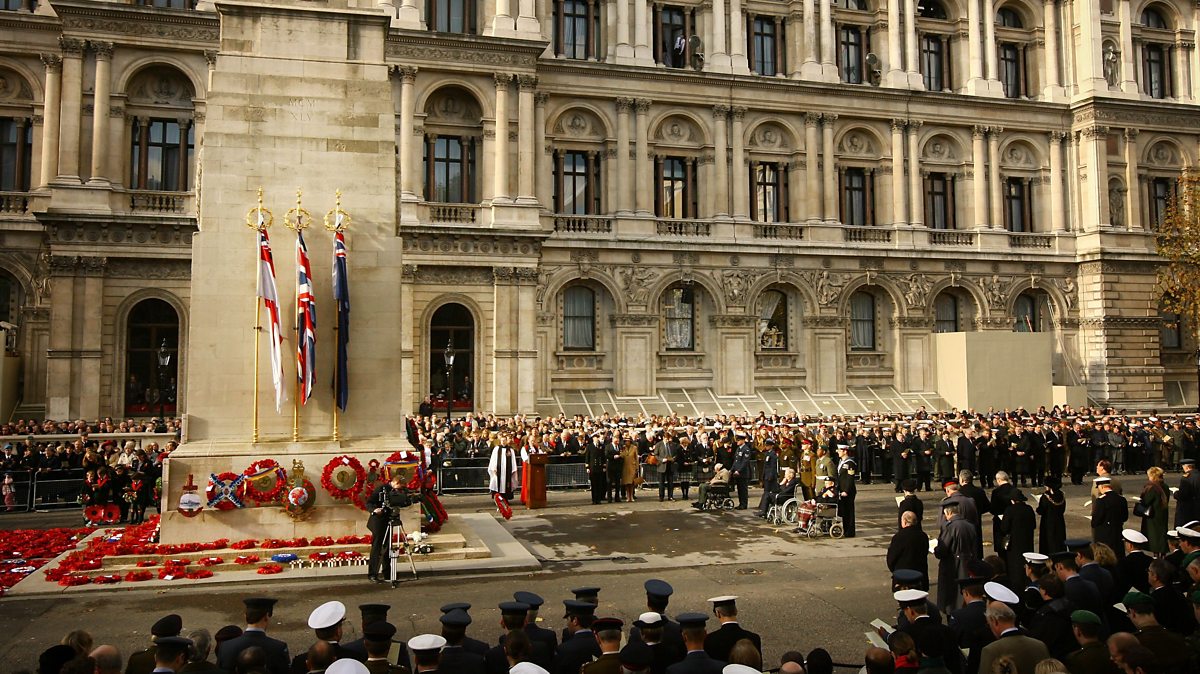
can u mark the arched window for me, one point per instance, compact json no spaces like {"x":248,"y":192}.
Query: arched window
{"x":1007,"y":17}
{"x":1153,"y":18}
{"x":162,"y":140}
{"x":931,"y":9}
{"x":1028,"y":314}
{"x":1171,"y":332}
{"x":945,"y":309}
{"x":579,"y":319}
{"x":773,"y":320}
{"x":453,"y":130}
{"x":862,"y":322}
{"x":151,"y":358}
{"x":679,"y":311}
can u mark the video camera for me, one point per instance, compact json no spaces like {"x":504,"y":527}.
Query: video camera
{"x":397,"y":500}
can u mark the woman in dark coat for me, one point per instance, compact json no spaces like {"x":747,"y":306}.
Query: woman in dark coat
{"x":1052,"y":507}
{"x":1018,"y":525}
{"x":1154,"y":499}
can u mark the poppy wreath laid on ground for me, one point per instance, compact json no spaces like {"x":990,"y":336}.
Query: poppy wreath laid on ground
{"x":225,"y":491}
{"x":270,"y":569}
{"x":360,"y":477}
{"x":260,"y":469}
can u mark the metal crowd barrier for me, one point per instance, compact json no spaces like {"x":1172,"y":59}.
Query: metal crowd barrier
{"x":139,"y":438}
{"x":57,"y":490}
{"x":22,"y":498}
{"x":470,"y":476}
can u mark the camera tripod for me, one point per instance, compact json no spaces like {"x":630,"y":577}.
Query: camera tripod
{"x":398,"y":545}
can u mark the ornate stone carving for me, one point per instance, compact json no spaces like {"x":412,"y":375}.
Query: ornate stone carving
{"x":52,"y":62}
{"x":526,"y":276}
{"x":474,"y":54}
{"x":527,"y":81}
{"x":545,"y":319}
{"x":828,"y":286}
{"x":993,"y":323}
{"x":406,"y":73}
{"x":812,"y":118}
{"x":826,"y":321}
{"x":71,"y":46}
{"x":1067,"y":287}
{"x":199,"y":28}
{"x":916,"y":290}
{"x":633,"y":320}
{"x":996,"y":289}
{"x":454,"y":276}
{"x":149,"y":270}
{"x":125,"y":234}
{"x":41,"y":277}
{"x":923,"y":322}
{"x":732,"y":320}
{"x":736,"y":282}
{"x":643,"y":105}
{"x":77,"y":265}
{"x":481,"y":245}
{"x":685,"y":258}
{"x":636,"y":282}
{"x":783,"y":260}
{"x":1126,"y":322}
{"x":624,"y":104}
{"x":102,"y":50}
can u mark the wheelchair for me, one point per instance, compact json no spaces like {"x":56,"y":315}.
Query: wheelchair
{"x":718,"y":497}
{"x":820,"y":519}
{"x":784,"y":513}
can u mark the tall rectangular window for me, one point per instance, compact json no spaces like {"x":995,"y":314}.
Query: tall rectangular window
{"x":16,"y":153}
{"x":679,"y":311}
{"x":1012,"y":70}
{"x":851,"y":54}
{"x":450,"y":16}
{"x":450,"y":169}
{"x":676,"y":196}
{"x":933,"y":59}
{"x":862,"y":322}
{"x":673,"y":28}
{"x":945,"y":309}
{"x":161,"y":155}
{"x":857,"y":202}
{"x":764,"y":46}
{"x":577,"y":183}
{"x":1162,"y":193}
{"x":1156,"y":75}
{"x":768,"y":190}
{"x":939,"y":201}
{"x":577,"y":28}
{"x":1171,"y":333}
{"x":579,"y":319}
{"x":1018,"y":205}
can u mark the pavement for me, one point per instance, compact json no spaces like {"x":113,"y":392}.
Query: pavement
{"x":797,"y":593}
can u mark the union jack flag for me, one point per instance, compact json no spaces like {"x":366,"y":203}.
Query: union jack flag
{"x":270,"y":300}
{"x":306,"y":322}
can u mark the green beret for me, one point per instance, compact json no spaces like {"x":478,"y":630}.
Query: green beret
{"x":1085,"y":618}
{"x":1136,"y":598}
{"x":1195,"y":596}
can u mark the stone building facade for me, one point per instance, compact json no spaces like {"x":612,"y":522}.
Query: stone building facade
{"x":623,"y":196}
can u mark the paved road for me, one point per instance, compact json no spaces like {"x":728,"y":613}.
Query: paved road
{"x":797,"y":593}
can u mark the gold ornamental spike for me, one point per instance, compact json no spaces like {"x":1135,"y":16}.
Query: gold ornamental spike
{"x":337,"y":220}
{"x":297,"y":219}
{"x":259,"y":218}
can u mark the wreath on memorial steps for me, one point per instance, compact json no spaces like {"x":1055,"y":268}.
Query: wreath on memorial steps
{"x":225,"y":491}
{"x":343,"y":464}
{"x":260,"y":470}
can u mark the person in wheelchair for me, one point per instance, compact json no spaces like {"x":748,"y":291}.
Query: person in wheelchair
{"x":826,"y":495}
{"x":787,"y":489}
{"x":720,"y":478}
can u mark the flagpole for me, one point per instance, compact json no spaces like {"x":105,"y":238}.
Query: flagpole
{"x":257,"y":219}
{"x":336,"y":221}
{"x":297,"y":219}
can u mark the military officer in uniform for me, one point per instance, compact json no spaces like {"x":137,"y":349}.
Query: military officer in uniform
{"x":427,"y":652}
{"x":455,"y":655}
{"x":258,"y":617}
{"x":697,"y":660}
{"x":514,"y":617}
{"x":741,"y":472}
{"x":581,"y":647}
{"x":650,"y":633}
{"x":326,"y":621}
{"x":847,"y":489}
{"x":377,"y":639}
{"x":1187,"y":497}
{"x":658,"y":595}
{"x":171,"y":653}
{"x":1109,"y":512}
{"x":472,"y":645}
{"x":142,"y":662}
{"x":608,"y":637}
{"x":373,"y":613}
{"x":537,"y":634}
{"x":719,"y":643}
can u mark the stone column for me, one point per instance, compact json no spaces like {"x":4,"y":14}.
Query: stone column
{"x":625,"y":170}
{"x":503,"y":24}
{"x":1088,"y":62}
{"x":500,"y":192}
{"x":624,"y":49}
{"x":641,"y":39}
{"x":974,"y":58}
{"x":408,"y":172}
{"x":795,"y":27}
{"x":545,"y":193}
{"x":895,"y":67}
{"x":1129,"y":71}
{"x":737,"y":32}
{"x":989,"y":40}
{"x":1057,"y":213}
{"x":741,"y":180}
{"x":50,"y":114}
{"x":100,"y":104}
{"x":1133,"y":196}
{"x":994,"y":175}
{"x":528,"y":26}
{"x":828,"y":62}
{"x":796,"y":197}
{"x":830,"y":166}
{"x":718,"y":58}
{"x":718,"y":192}
{"x":1050,"y":21}
{"x":812,"y":167}
{"x":899,"y":205}
{"x":645,"y":187}
{"x":912,"y":59}
{"x":915,"y":188}
{"x":72,"y":107}
{"x":810,"y":69}
{"x":979,"y":176}
{"x":527,"y":168}
{"x":1095,"y":140}
{"x":408,"y":16}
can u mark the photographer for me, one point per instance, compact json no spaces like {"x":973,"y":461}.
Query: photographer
{"x":383,"y":505}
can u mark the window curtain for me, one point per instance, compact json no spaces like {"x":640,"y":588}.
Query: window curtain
{"x":862,"y":322}
{"x":767,"y":305}
{"x":579,"y":325}
{"x":679,"y":320}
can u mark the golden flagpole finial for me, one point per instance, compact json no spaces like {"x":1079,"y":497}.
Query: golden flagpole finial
{"x":259,"y":217}
{"x":297,"y":219}
{"x":337,"y":220}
